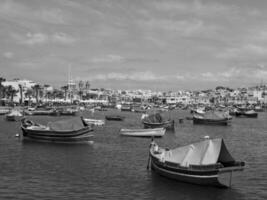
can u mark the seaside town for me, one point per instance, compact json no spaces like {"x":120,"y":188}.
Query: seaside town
{"x":120,"y":99}
{"x":28,"y":92}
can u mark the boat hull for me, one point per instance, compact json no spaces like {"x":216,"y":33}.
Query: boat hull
{"x":76,"y":139}
{"x":169,"y":125}
{"x":114,"y":118}
{"x":212,"y":180}
{"x":223,"y":122}
{"x":158,"y":132}
{"x":253,"y":115}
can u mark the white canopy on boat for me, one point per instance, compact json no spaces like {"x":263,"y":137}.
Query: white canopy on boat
{"x":202,"y":153}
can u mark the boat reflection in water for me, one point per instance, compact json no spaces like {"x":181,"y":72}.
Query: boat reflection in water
{"x":206,"y":163}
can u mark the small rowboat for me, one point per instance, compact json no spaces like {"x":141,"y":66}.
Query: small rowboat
{"x":115,"y":117}
{"x":153,"y":132}
{"x":248,"y":114}
{"x":206,"y":163}
{"x":94,"y":122}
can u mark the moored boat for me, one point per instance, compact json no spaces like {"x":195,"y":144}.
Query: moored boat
{"x":14,"y":115}
{"x":4,"y":110}
{"x":212,"y":118}
{"x":206,"y":163}
{"x":51,"y":112}
{"x":94,"y":122}
{"x":115,"y":117}
{"x":153,"y":132}
{"x":68,"y":111}
{"x":74,"y":130}
{"x":248,"y":114}
{"x":157,"y":121}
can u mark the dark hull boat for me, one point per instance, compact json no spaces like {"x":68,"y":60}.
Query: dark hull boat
{"x":248,"y":114}
{"x":115,"y":117}
{"x":157,"y":121}
{"x":73,"y":130}
{"x":204,"y":163}
{"x":213,"y":118}
{"x":198,"y":120}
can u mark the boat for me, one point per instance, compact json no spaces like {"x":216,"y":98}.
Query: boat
{"x":248,"y":114}
{"x":212,"y":118}
{"x":94,"y":122}
{"x":157,"y":121}
{"x":4,"y":111}
{"x":52,"y":112}
{"x":115,"y":117}
{"x":258,"y":109}
{"x":73,"y":130}
{"x":126,"y":108}
{"x":153,"y":132}
{"x":14,"y":115}
{"x":67,"y":111}
{"x":207,"y":162}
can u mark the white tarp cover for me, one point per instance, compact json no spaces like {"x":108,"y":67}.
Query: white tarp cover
{"x":202,"y":153}
{"x":72,"y":124}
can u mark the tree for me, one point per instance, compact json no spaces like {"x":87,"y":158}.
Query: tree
{"x":11,"y":92}
{"x":36,"y":88}
{"x":65,"y":89}
{"x":45,"y":90}
{"x":21,"y":93}
{"x":87,"y":85}
{"x":1,"y":87}
{"x":28,"y":94}
{"x":81,"y":84}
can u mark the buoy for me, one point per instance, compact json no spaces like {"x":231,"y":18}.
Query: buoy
{"x":17,"y":135}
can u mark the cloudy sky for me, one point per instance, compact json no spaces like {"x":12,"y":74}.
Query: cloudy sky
{"x":156,"y":44}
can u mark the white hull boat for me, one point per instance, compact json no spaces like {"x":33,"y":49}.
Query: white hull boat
{"x":152,"y":132}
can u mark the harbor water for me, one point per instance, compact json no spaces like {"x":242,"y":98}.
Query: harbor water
{"x":114,"y":167}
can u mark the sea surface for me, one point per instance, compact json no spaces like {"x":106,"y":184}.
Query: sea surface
{"x":114,"y":167}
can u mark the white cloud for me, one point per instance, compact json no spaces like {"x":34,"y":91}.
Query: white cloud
{"x":108,"y":59}
{"x":244,"y":51}
{"x":180,"y":77}
{"x":62,"y":38}
{"x":35,"y":38}
{"x":185,"y":28}
{"x":43,"y":38}
{"x":197,"y":7}
{"x":137,"y":76}
{"x":53,"y":16}
{"x":8,"y":55}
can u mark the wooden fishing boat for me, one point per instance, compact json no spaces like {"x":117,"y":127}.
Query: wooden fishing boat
{"x":206,"y":163}
{"x":153,"y":132}
{"x":248,"y":114}
{"x":115,"y":117}
{"x":126,"y":108}
{"x":61,"y":131}
{"x":212,"y":118}
{"x":52,"y":112}
{"x":4,"y":111}
{"x":94,"y":122}
{"x":156,"y":121}
{"x":168,"y":124}
{"x":14,"y":115}
{"x":68,"y":112}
